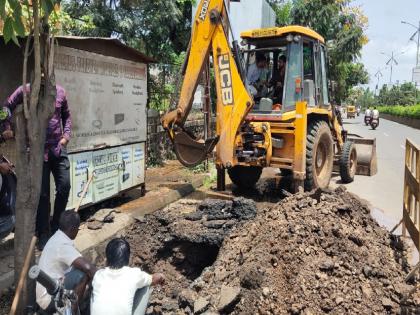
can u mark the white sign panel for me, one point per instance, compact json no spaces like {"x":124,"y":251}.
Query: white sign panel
{"x":138,"y":163}
{"x":107,"y":98}
{"x":115,"y":169}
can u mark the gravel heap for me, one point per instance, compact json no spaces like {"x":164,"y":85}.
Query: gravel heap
{"x":312,"y":253}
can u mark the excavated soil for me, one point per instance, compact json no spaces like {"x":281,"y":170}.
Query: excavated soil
{"x":311,"y":253}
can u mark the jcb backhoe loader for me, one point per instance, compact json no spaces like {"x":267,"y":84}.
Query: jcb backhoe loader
{"x":273,"y":107}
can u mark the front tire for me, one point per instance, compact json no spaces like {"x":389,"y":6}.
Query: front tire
{"x":319,"y":155}
{"x":245,"y":176}
{"x":348,"y":162}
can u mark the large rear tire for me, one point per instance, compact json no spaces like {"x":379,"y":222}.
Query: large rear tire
{"x":245,"y":176}
{"x":348,"y":162}
{"x":319,"y":155}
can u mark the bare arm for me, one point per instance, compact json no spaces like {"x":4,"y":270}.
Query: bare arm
{"x":85,"y":266}
{"x":158,"y":278}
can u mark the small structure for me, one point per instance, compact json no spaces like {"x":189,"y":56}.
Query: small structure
{"x":106,"y":84}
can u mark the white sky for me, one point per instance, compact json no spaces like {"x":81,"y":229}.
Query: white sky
{"x":386,"y":34}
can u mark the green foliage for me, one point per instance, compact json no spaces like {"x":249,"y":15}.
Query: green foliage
{"x":159,"y":28}
{"x":412,"y":111}
{"x":343,"y":27}
{"x":164,"y":81}
{"x":16,"y":17}
{"x":404,"y":94}
{"x":283,"y":11}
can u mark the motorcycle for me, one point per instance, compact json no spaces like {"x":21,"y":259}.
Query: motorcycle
{"x":374,"y":123}
{"x":7,"y":201}
{"x":63,"y":298}
{"x":367,"y":120}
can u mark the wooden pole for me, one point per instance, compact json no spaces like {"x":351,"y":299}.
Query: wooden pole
{"x":85,"y":189}
{"x":23,"y":275}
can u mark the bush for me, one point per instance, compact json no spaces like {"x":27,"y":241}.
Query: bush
{"x":412,"y":111}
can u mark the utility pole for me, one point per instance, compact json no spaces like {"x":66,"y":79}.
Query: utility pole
{"x":412,"y":38}
{"x":378,"y":75}
{"x":418,"y":46}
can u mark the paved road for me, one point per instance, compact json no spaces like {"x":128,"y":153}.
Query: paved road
{"x":384,"y":191}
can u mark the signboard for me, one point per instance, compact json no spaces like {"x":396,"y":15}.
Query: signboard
{"x":416,"y":75}
{"x":107,"y":98}
{"x":115,"y":169}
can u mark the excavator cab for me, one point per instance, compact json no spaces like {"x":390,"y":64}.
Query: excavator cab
{"x":294,"y":70}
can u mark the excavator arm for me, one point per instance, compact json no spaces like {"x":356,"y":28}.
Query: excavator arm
{"x":233,"y":100}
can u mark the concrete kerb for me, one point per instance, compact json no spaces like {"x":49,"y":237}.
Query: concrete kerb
{"x":91,"y":242}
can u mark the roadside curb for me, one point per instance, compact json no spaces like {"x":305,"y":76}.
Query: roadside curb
{"x":90,"y":243}
{"x":406,"y":121}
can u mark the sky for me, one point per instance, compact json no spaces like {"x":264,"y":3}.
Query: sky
{"x":386,"y":34}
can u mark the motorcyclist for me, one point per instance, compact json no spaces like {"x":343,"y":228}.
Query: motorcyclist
{"x":368,"y":112}
{"x":375,"y":113}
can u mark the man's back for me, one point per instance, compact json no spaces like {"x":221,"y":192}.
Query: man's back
{"x":56,"y":259}
{"x":114,"y":290}
{"x":375,"y":113}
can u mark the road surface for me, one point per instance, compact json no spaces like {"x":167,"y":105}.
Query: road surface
{"x":384,"y":191}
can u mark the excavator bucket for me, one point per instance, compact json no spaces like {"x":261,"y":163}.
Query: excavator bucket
{"x":191,"y":152}
{"x":366,"y":156}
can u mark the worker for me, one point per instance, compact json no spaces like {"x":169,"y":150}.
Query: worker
{"x":61,"y":260}
{"x":55,"y":161}
{"x":277,"y":81}
{"x":119,"y":289}
{"x":5,"y":167}
{"x":257,"y":74}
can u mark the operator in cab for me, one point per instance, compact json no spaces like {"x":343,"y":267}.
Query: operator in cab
{"x":277,"y":81}
{"x":256,"y":77}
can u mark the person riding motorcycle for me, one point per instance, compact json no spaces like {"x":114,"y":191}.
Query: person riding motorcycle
{"x":375,"y":113}
{"x":368,"y":116}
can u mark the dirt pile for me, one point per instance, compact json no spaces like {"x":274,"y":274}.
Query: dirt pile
{"x":312,"y":253}
{"x":181,"y":241}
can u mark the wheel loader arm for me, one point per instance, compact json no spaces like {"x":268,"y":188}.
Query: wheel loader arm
{"x":233,"y":99}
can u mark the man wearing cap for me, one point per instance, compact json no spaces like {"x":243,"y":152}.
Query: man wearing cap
{"x":55,"y":160}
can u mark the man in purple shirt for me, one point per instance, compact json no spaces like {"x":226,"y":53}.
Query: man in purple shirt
{"x":55,"y":160}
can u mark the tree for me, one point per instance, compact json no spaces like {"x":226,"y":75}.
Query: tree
{"x":20,"y":19}
{"x":398,"y":95}
{"x":159,"y":28}
{"x":343,"y":28}
{"x":283,"y":11}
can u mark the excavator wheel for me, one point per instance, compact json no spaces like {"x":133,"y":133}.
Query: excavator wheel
{"x":348,"y":162}
{"x":319,"y":155}
{"x":245,"y":176}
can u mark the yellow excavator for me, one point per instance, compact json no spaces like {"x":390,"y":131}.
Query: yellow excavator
{"x":273,"y":106}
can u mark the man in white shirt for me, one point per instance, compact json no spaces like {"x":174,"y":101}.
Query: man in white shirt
{"x":257,"y":73}
{"x":61,"y":260}
{"x":119,"y":289}
{"x":375,"y":113}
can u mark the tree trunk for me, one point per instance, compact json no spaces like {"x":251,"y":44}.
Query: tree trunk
{"x":31,"y":125}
